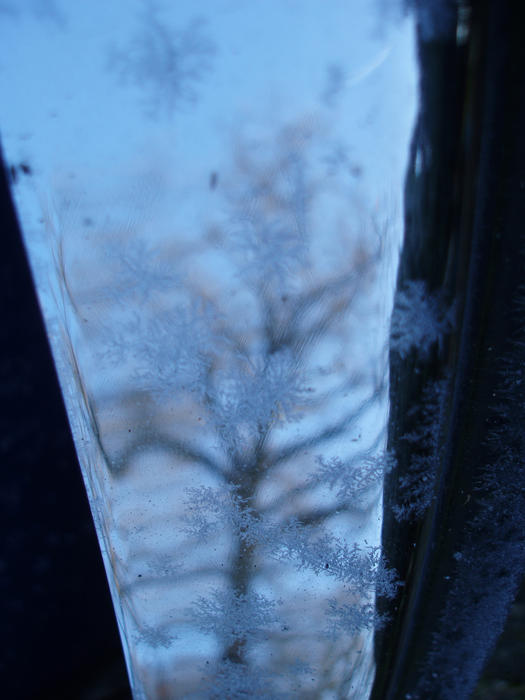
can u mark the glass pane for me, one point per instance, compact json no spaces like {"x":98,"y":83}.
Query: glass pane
{"x":211,"y":197}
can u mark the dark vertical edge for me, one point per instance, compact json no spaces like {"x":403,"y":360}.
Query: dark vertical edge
{"x":462,"y":561}
{"x":57,"y":625}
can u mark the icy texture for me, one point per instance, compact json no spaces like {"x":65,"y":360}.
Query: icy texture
{"x":213,"y":224}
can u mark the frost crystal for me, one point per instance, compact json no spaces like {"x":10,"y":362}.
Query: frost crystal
{"x":155,"y":637}
{"x":417,"y":483}
{"x":234,"y":617}
{"x":310,"y":548}
{"x":350,"y":618}
{"x":166,"y":63}
{"x":353,"y":483}
{"x":418,"y":320}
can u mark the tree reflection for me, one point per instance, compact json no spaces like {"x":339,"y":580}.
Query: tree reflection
{"x":237,"y":466}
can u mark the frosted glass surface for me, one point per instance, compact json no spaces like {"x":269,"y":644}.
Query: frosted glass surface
{"x":211,"y":196}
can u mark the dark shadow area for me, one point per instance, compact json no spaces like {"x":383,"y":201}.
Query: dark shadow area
{"x":462,"y":556}
{"x":503,"y":677}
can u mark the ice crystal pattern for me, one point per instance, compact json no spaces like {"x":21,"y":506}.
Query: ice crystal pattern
{"x":166,"y":64}
{"x":419,"y":320}
{"x":416,"y":486}
{"x":243,"y":384}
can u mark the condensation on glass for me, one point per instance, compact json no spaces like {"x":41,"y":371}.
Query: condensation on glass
{"x":212,"y":203}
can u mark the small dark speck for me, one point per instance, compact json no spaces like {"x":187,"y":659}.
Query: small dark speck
{"x":139,"y":576}
{"x":25,"y":168}
{"x":214,"y":178}
{"x":14,"y":174}
{"x":326,"y":566}
{"x":87,"y":221}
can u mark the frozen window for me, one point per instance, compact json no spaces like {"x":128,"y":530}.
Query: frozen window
{"x":213,"y":213}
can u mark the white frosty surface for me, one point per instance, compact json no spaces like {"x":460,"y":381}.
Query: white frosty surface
{"x":197,"y":168}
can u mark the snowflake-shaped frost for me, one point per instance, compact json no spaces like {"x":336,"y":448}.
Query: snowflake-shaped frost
{"x":419,"y":320}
